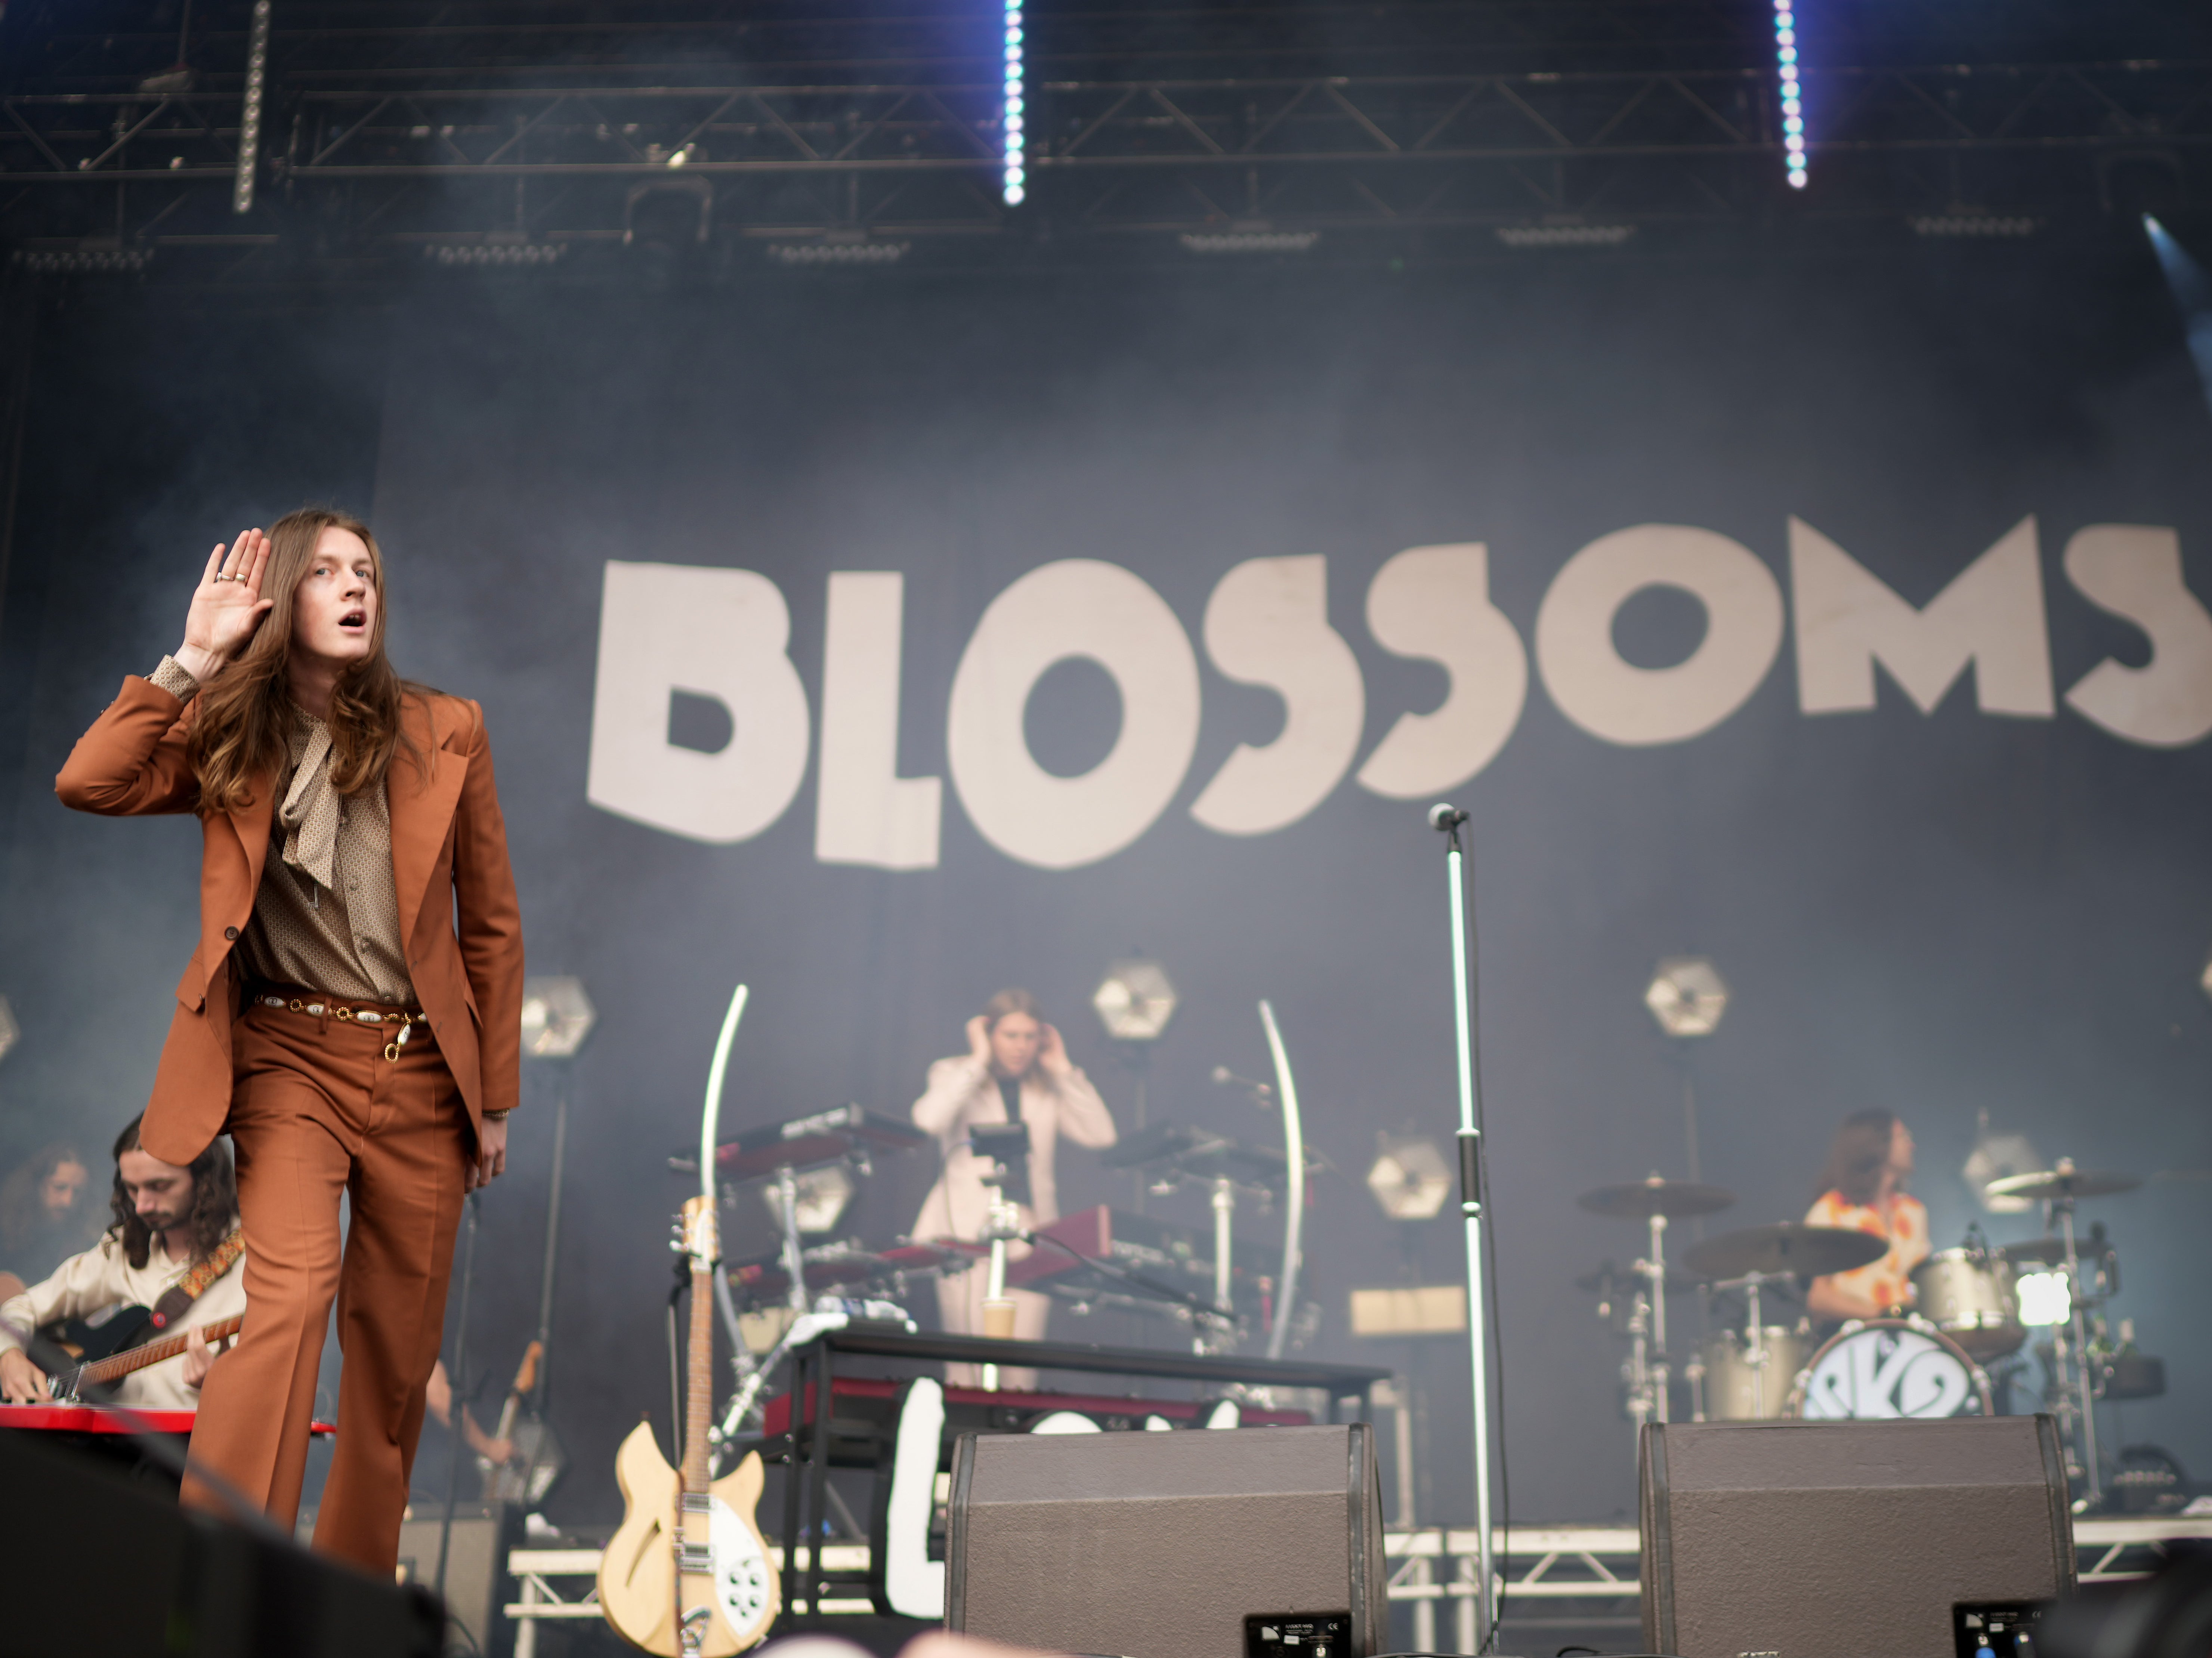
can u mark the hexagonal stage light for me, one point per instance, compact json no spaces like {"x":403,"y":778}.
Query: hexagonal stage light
{"x":556,"y":1016}
{"x":1687,"y":996}
{"x":1409,"y":1178}
{"x":1135,"y":1001}
{"x":822,"y":1194}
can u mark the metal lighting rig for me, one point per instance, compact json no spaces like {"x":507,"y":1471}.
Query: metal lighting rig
{"x":249,"y":139}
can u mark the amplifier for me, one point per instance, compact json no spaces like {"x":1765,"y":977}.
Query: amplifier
{"x":1170,"y":1544}
{"x":1838,"y":1540}
{"x":477,"y":1582}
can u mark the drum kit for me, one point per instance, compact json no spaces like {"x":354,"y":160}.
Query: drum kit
{"x":1928,"y":1360}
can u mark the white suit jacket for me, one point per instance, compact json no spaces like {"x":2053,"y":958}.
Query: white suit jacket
{"x":963,"y":1091}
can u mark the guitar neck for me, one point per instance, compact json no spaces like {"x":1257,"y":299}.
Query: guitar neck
{"x":137,"y":1358}
{"x":699,"y":1381}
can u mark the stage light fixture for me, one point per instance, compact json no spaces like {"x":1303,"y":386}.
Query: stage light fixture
{"x":1564,"y":235}
{"x":2044,"y":1300}
{"x":10,"y":1032}
{"x":1973,"y":224}
{"x":1135,"y":1000}
{"x":556,"y":1016}
{"x":1013,"y":176}
{"x":93,"y":255}
{"x":1411,"y":1180}
{"x":2204,"y":978}
{"x":838,"y":248}
{"x":1793,"y":103}
{"x":492,"y":255}
{"x":822,"y":1194}
{"x":249,"y":114}
{"x":1248,"y":239}
{"x":1687,"y":996}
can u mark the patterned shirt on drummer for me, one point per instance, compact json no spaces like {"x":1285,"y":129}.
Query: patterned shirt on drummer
{"x":1886,"y":1281}
{"x":326,"y":915}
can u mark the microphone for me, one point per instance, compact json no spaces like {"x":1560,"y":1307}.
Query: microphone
{"x":1446,"y":818}
{"x":1260,"y":1092}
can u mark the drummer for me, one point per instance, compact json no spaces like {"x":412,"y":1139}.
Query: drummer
{"x":1860,"y":1188}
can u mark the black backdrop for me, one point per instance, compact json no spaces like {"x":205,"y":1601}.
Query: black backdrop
{"x":1939,"y":912}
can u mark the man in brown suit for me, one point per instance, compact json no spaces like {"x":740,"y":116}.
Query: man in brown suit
{"x":352,"y":1018}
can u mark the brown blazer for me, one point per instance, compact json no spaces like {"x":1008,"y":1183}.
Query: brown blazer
{"x":458,"y":918}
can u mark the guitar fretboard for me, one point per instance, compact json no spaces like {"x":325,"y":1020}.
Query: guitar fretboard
{"x":137,"y":1358}
{"x":699,"y":1378}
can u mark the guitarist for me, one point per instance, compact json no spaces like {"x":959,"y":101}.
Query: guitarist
{"x":175,"y":1248}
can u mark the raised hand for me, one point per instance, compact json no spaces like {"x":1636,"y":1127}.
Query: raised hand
{"x":227,"y":606}
{"x":1052,"y":1053}
{"x":979,"y":1039}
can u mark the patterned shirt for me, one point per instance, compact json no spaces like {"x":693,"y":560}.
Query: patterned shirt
{"x":326,"y":915}
{"x":1887,"y":1282}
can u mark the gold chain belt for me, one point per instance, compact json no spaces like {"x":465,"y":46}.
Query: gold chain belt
{"x":330,"y":1008}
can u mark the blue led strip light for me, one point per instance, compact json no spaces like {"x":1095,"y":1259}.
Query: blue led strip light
{"x":1014,"y":177}
{"x":1793,"y":102}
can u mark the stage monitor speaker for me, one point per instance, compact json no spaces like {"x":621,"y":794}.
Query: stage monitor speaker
{"x":1840,"y":1539}
{"x":476,"y":1580}
{"x":1163,"y":1545}
{"x":98,"y":1565}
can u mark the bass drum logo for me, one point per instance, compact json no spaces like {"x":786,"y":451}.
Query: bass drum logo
{"x":1879,"y":1373}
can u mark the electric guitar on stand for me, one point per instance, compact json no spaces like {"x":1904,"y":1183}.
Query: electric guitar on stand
{"x":688,"y":1575}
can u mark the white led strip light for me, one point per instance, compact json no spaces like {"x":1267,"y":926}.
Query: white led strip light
{"x":1014,"y":176}
{"x":1793,"y":101}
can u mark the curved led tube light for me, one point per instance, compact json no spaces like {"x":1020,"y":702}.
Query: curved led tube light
{"x":1294,"y":1179}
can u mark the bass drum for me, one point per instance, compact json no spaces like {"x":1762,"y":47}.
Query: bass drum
{"x":1968,"y":1295}
{"x":1884,"y":1367}
{"x":1733,"y":1392}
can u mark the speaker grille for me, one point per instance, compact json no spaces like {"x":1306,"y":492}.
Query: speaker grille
{"x":1158,"y":1545}
{"x":1835,"y":1539}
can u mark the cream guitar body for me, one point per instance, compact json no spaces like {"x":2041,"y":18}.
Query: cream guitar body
{"x":688,"y":1573}
{"x":637,"y":1574}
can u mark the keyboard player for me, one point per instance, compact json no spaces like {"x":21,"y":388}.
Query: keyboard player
{"x":1016,"y":1070}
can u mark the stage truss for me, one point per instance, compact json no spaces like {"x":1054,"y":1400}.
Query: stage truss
{"x":524,"y":137}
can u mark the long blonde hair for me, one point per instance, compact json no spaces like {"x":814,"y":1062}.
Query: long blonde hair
{"x":240,"y":722}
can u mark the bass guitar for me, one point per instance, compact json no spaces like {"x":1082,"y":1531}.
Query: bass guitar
{"x":688,"y":1575}
{"x":535,"y":1460}
{"x":66,"y":1385}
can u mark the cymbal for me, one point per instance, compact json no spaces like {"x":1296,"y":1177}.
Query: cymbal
{"x":1654,"y":1196}
{"x":2063,"y":1181}
{"x":1786,"y":1247}
{"x":2049,"y":1252}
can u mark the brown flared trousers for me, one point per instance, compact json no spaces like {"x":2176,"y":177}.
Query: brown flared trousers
{"x":316,"y":1111}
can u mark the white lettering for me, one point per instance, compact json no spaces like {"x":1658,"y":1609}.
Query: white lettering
{"x":1074,"y":607}
{"x":864,"y":811}
{"x":1433,"y":604}
{"x":1267,"y":625}
{"x":713,"y":632}
{"x":2135,"y":572}
{"x":1616,"y":699}
{"x":1989,"y":616}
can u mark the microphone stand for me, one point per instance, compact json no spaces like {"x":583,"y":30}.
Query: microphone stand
{"x":1465,"y":989}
